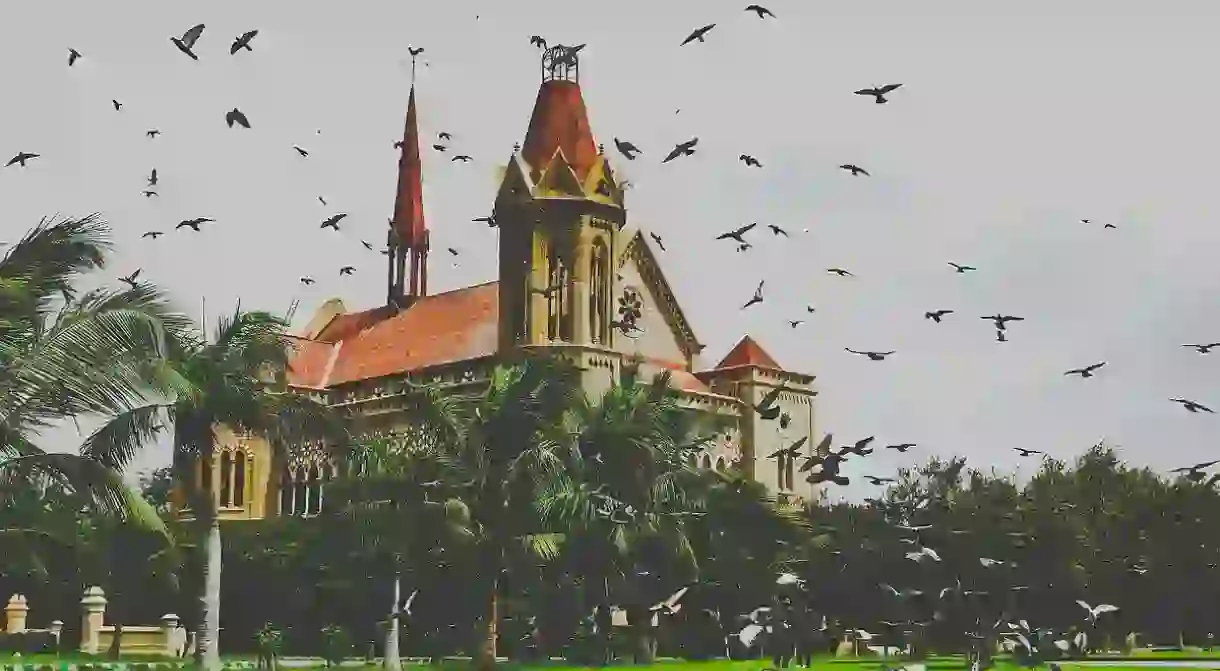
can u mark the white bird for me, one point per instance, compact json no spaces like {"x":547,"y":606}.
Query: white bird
{"x":788,"y":579}
{"x":670,"y":606}
{"x":923,"y":554}
{"x":1094,"y":611}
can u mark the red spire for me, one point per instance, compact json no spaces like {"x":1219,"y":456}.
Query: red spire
{"x":409,"y":201}
{"x":748,"y":353}
{"x":559,"y":121}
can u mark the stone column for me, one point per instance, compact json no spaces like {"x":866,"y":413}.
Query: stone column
{"x":57,"y":630}
{"x":94,"y":606}
{"x":14,"y":614}
{"x":169,"y":630}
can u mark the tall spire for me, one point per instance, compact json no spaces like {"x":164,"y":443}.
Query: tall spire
{"x":408,"y":231}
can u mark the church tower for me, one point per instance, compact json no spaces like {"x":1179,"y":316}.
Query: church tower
{"x":560,"y":213}
{"x":408,"y":235}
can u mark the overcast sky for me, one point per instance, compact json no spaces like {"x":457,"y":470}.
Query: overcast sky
{"x":1010,"y":128}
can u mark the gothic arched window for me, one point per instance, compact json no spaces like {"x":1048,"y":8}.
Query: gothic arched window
{"x":558,"y":323}
{"x":287,"y":491}
{"x":239,"y":479}
{"x":226,"y":478}
{"x":313,"y":489}
{"x":599,"y":293}
{"x":706,"y":462}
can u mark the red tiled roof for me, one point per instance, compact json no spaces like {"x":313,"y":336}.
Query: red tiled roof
{"x":748,"y":353}
{"x":444,"y":328}
{"x":409,"y":199}
{"x":559,"y":121}
{"x":310,"y":359}
{"x":682,"y":378}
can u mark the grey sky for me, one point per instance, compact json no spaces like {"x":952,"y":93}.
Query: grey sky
{"x":1010,"y":128}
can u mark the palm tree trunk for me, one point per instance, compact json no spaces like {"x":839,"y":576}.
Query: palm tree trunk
{"x":392,"y":661}
{"x":487,"y":632}
{"x":207,"y":655}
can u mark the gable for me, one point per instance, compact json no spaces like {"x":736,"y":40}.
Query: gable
{"x":667,"y":335}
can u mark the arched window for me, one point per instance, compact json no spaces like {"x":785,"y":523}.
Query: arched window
{"x":558,"y":324}
{"x":239,"y":479}
{"x":300,"y":493}
{"x":720,"y":463}
{"x":707,"y":462}
{"x":287,"y":491}
{"x":599,"y":293}
{"x":313,"y":488}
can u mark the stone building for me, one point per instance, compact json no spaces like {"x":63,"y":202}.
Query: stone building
{"x":563,"y":224}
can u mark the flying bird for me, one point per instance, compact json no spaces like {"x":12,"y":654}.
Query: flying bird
{"x":1109,"y":226}
{"x":960,"y":268}
{"x":937,"y":315}
{"x":874,"y":480}
{"x":1203,"y":349}
{"x":795,"y":322}
{"x":777,"y":230}
{"x":758,"y":296}
{"x":766,"y":408}
{"x":304,"y":153}
{"x":193,"y":224}
{"x":321,"y":200}
{"x":152,"y":235}
{"x":333,"y":222}
{"x":307,"y":281}
{"x":440,"y":147}
{"x":130,"y":280}
{"x":444,"y":136}
{"x":489,"y":220}
{"x":538,"y":41}
{"x":242,"y":42}
{"x":627,"y":149}
{"x":749,"y":161}
{"x":878,"y":93}
{"x":874,"y":356}
{"x":1093,"y":611}
{"x":859,"y":448}
{"x":117,"y":105}
{"x":901,"y":447}
{"x":1002,"y":320}
{"x":366,"y":245}
{"x":761,"y":11}
{"x":452,"y":251}
{"x":152,"y":133}
{"x":1000,"y":337}
{"x":347,"y":270}
{"x":236,"y":117}
{"x":737,"y":234}
{"x":840,"y":272}
{"x":697,"y":34}
{"x":855,"y":170}
{"x":1026,"y":452}
{"x":415,"y":51}
{"x":657,"y":239}
{"x":21,"y":158}
{"x":461,"y":157}
{"x":1192,"y":406}
{"x":73,"y":55}
{"x":149,"y":193}
{"x":186,"y":43}
{"x":1195,"y":473}
{"x":683,"y":149}
{"x":152,"y":177}
{"x":1087,"y":371}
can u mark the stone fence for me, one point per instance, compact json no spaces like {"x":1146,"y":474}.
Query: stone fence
{"x":167,"y":639}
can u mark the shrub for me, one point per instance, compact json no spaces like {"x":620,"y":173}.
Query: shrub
{"x":28,"y":642}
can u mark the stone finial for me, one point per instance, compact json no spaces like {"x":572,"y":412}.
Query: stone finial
{"x":14,"y":614}
{"x":93,"y":603}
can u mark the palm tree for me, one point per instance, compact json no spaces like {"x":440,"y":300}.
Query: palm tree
{"x":66,"y":355}
{"x":236,"y":380}
{"x":503,"y":446}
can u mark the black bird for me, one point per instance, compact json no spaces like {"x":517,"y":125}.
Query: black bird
{"x":840,"y":272}
{"x":538,"y":41}
{"x":744,"y":247}
{"x":1000,"y":337}
{"x":874,"y":356}
{"x":152,"y":235}
{"x":777,"y":230}
{"x":657,"y":239}
{"x":859,"y":448}
{"x":415,"y":51}
{"x":874,"y":480}
{"x":810,"y":309}
{"x":795,"y":322}
{"x":21,"y":158}
{"x":347,"y":270}
{"x":236,"y":117}
{"x":152,"y":177}
{"x":737,"y":233}
{"x":627,"y":149}
{"x":307,"y":281}
{"x":130,"y":280}
{"x":1203,"y":349}
{"x":242,"y":42}
{"x":1193,"y":406}
{"x":461,"y":157}
{"x":761,"y":11}
{"x":1195,"y":473}
{"x":960,"y":268}
{"x":117,"y":105}
{"x":367,"y":245}
{"x":1002,"y":320}
{"x":683,"y":149}
{"x":444,"y":136}
{"x":1109,"y":226}
{"x":300,"y":151}
{"x":193,"y":224}
{"x":793,"y":451}
{"x":766,"y":407}
{"x":333,"y":222}
{"x":489,"y":220}
{"x":452,"y":251}
{"x":749,"y":160}
{"x":758,"y":296}
{"x":901,"y":447}
{"x":937,"y":315}
{"x":186,"y":43}
{"x":1087,"y":371}
{"x":73,"y":54}
{"x":152,"y":133}
{"x":440,"y":147}
{"x":822,"y":448}
{"x":878,"y":93}
{"x":398,"y":144}
{"x":697,"y":34}
{"x":1025,"y":452}
{"x":149,"y":193}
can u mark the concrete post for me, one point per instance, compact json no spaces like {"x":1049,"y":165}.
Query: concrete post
{"x":94,"y":606}
{"x":169,"y":629}
{"x":14,"y":614}
{"x":57,"y":630}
